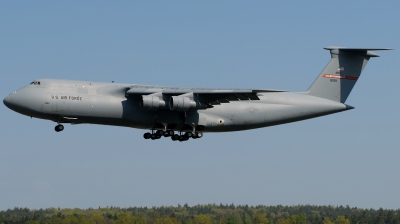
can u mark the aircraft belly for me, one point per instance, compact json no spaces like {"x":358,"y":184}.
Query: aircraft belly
{"x":234,"y":116}
{"x":237,"y":116}
{"x":277,"y":109}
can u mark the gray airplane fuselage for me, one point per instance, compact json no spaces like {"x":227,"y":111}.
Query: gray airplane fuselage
{"x":191,"y":110}
{"x":77,"y":102}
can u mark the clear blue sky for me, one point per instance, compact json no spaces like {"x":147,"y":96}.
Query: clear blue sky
{"x":351,"y":158}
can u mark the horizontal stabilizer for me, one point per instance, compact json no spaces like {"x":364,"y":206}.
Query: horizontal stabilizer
{"x":359,"y":51}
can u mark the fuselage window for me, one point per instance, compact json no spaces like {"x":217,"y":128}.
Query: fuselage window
{"x":35,"y":82}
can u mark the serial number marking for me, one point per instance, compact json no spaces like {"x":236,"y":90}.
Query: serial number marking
{"x":333,"y":80}
{"x":56,"y":97}
{"x":338,"y":76}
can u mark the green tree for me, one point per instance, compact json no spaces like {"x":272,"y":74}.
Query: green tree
{"x":202,"y":219}
{"x":53,"y":220}
{"x":234,"y":219}
{"x":29,"y":222}
{"x":327,"y":220}
{"x":298,"y":219}
{"x":165,"y":220}
{"x":260,"y":219}
{"x":139,"y":219}
{"x":283,"y":221}
{"x":223,"y":220}
{"x":247,"y":219}
{"x":341,"y":220}
{"x":97,"y":219}
{"x":70,"y":219}
{"x":124,"y":218}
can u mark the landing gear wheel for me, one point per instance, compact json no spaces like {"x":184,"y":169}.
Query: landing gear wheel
{"x":59,"y":128}
{"x":183,"y":138}
{"x":189,"y":134}
{"x":147,"y":135}
{"x":198,"y":134}
{"x":175,"y":137}
{"x":160,"y":132}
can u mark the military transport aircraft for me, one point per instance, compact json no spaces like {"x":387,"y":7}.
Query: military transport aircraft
{"x":183,"y":113}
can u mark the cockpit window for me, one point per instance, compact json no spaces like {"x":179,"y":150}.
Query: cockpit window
{"x":35,"y":83}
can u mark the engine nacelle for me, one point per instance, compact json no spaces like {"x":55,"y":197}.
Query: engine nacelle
{"x":182,"y":103}
{"x":151,"y":103}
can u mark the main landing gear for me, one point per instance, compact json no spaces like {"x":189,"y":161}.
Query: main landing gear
{"x":170,"y":133}
{"x":59,"y":128}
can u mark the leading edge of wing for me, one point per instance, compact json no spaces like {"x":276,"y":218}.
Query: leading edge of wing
{"x":209,"y":96}
{"x":180,"y":91}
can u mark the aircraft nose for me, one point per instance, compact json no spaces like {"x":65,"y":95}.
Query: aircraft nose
{"x":12,"y":101}
{"x":7,"y":101}
{"x":18,"y":102}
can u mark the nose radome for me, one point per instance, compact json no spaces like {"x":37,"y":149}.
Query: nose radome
{"x":6,"y":101}
{"x":17,"y":102}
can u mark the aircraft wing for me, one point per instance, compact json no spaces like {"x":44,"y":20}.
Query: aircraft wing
{"x":208,"y":96}
{"x":215,"y":97}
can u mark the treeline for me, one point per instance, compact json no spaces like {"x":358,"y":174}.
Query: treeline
{"x":203,"y":214}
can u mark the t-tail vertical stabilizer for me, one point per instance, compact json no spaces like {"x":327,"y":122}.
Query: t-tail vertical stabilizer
{"x":342,"y":72}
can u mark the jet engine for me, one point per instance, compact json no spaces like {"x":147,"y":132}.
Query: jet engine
{"x":151,"y":103}
{"x":182,"y":103}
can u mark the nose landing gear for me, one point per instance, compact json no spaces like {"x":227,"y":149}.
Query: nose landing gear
{"x":59,"y":128}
